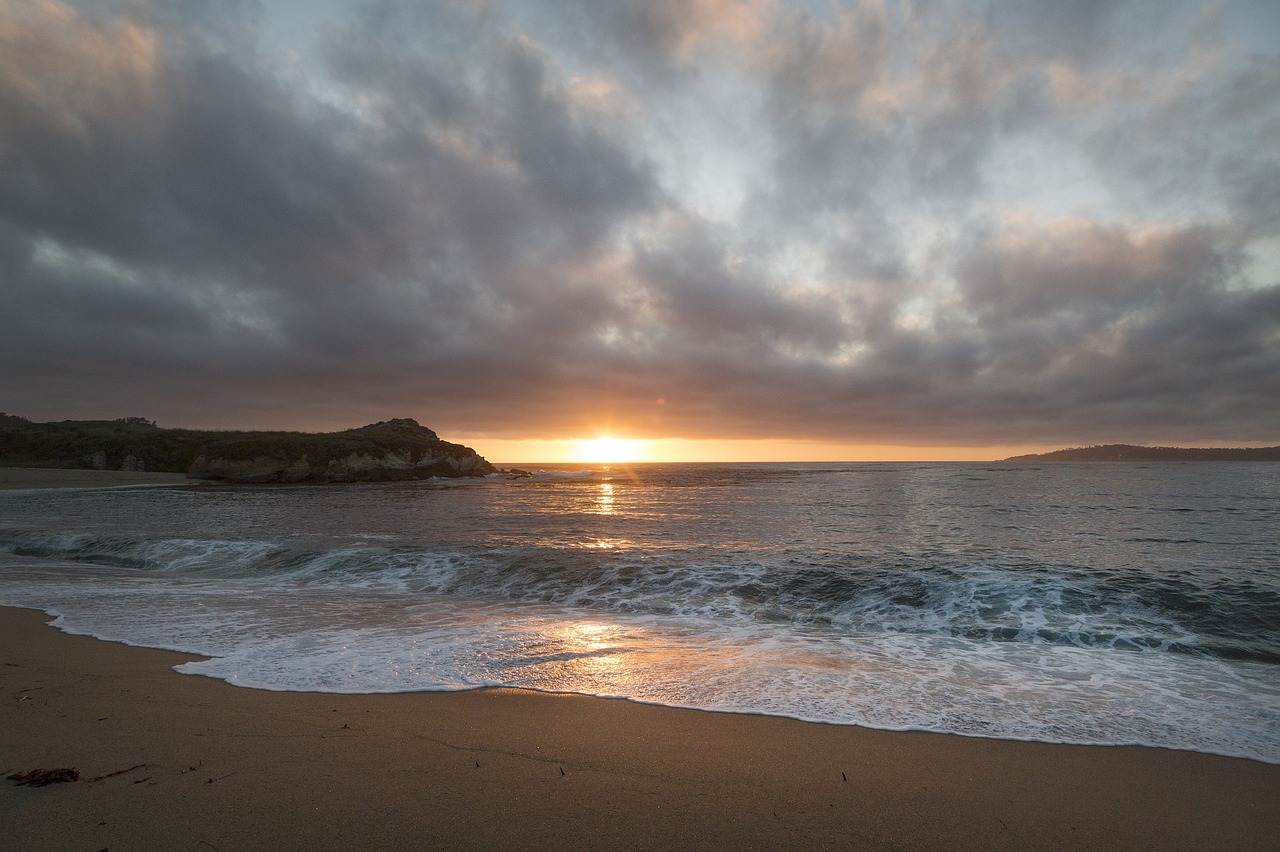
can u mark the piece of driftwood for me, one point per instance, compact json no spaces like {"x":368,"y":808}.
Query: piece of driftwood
{"x":45,"y":777}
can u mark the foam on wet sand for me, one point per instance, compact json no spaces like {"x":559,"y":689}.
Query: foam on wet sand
{"x":209,"y":765}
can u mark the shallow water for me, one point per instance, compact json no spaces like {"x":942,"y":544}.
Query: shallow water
{"x":1078,"y":603}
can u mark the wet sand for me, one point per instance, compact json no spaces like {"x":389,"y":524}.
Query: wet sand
{"x":184,"y":762}
{"x":42,"y":477}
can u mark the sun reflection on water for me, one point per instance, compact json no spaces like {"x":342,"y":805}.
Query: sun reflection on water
{"x":604,"y":499}
{"x":599,"y":652}
{"x":614,"y":544}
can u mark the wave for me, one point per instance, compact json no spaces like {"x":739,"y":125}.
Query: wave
{"x":1006,"y":602}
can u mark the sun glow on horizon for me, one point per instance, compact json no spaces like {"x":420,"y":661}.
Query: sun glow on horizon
{"x":609,"y":450}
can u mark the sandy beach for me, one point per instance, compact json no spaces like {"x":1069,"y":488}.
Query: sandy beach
{"x":39,"y":477}
{"x":182,"y":762}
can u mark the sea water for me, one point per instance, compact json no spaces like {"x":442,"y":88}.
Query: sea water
{"x":1079,"y":603}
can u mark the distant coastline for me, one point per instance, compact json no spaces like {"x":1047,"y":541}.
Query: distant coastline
{"x":1130,"y":453}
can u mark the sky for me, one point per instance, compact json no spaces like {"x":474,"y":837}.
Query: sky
{"x":719,"y":229}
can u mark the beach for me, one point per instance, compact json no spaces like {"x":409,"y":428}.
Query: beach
{"x":180,"y":761}
{"x":36,"y":477}
{"x":207,"y":765}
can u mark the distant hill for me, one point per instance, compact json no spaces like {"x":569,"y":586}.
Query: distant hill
{"x":1128,"y":452}
{"x":390,"y":450}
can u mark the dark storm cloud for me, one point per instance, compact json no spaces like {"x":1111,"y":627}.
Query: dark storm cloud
{"x":1127,"y":325}
{"x":196,"y":188}
{"x":696,"y":292}
{"x":501,"y":218}
{"x":1021,"y":270}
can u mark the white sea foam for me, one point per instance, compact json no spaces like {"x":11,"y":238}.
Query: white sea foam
{"x":1013,"y":602}
{"x":361,"y":641}
{"x":1068,"y":606}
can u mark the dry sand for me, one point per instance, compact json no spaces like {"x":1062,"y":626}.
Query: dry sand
{"x":45,"y":477}
{"x":212,"y":766}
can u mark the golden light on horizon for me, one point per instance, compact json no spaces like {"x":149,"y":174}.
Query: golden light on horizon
{"x":610,"y":451}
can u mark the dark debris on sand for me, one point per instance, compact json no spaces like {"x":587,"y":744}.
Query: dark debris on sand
{"x":45,"y":777}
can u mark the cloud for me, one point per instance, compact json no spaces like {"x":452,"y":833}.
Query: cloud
{"x":658,"y":37}
{"x":877,"y":222}
{"x":1021,"y":269}
{"x":697,"y":290}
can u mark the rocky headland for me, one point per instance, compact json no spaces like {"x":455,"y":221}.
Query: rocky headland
{"x":380,"y":452}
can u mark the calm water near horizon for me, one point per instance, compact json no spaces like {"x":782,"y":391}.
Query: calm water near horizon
{"x":1082,"y":603}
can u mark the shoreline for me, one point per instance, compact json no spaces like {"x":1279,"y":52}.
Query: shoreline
{"x":39,"y":478}
{"x":208,"y":763}
{"x":52,"y":615}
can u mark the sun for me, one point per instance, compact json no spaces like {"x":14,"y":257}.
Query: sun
{"x":609,"y":451}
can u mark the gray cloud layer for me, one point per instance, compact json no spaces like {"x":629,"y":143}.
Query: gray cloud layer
{"x":915,"y":222}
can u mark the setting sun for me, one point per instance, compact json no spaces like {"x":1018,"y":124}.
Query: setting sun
{"x":610,"y":451}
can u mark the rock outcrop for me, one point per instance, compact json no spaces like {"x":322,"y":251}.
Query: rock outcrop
{"x":381,"y":452}
{"x":391,"y":450}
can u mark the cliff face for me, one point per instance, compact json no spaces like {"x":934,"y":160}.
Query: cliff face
{"x":355,"y":467}
{"x":392,"y":450}
{"x":381,"y":452}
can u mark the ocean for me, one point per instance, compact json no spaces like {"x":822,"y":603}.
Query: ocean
{"x":1074,"y":603}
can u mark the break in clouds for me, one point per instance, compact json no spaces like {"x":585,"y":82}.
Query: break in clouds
{"x":897,"y":222}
